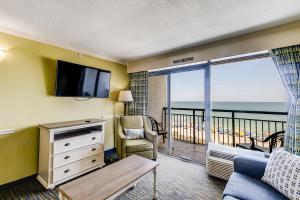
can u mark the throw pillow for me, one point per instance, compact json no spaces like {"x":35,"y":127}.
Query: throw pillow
{"x":134,"y":133}
{"x":283,"y":173}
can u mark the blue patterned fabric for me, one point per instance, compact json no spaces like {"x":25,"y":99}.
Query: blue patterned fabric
{"x":139,"y":88}
{"x":283,"y":173}
{"x":287,"y":61}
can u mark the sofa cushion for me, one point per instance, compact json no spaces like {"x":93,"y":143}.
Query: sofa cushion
{"x":250,"y":166}
{"x":133,"y":146}
{"x":244,"y":187}
{"x":228,"y":197}
{"x":283,"y":173}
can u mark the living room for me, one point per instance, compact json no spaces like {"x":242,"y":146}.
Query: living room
{"x":87,"y":100}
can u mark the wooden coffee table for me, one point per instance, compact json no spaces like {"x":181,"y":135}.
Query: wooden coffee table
{"x":111,"y":181}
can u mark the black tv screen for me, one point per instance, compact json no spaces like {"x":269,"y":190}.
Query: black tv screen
{"x":73,"y":80}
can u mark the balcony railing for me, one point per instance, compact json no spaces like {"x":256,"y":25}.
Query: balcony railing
{"x":229,"y":127}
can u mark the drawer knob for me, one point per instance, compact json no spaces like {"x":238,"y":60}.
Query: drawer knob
{"x":93,"y":160}
{"x":67,"y":144}
{"x":66,"y":171}
{"x":93,"y":138}
{"x":67,"y":157}
{"x":93,"y":149}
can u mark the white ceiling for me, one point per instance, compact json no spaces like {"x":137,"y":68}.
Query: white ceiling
{"x":124,"y":30}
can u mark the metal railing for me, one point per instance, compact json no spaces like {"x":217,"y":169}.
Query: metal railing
{"x":229,"y":127}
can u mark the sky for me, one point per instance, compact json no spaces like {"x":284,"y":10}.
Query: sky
{"x":251,"y":81}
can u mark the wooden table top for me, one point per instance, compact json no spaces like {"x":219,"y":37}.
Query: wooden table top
{"x":105,"y":182}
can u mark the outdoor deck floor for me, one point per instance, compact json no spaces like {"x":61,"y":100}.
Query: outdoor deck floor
{"x":190,"y":151}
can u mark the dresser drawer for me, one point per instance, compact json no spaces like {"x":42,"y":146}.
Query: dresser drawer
{"x":77,"y":167}
{"x":69,"y":144}
{"x":75,"y":155}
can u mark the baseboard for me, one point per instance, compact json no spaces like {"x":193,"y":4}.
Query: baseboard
{"x":17,"y":182}
{"x":107,"y":154}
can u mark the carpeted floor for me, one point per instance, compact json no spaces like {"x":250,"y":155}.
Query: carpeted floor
{"x":177,"y":180}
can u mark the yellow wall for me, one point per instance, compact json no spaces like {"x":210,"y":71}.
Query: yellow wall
{"x":27,"y":84}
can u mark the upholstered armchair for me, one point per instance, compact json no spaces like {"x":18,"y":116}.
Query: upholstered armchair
{"x":146,"y":147}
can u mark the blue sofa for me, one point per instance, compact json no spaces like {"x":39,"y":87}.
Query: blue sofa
{"x":245,"y":182}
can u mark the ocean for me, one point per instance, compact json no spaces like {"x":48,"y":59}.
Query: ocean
{"x":253,"y":106}
{"x":248,"y":106}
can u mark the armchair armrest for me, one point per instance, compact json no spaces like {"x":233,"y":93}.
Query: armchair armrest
{"x":121,"y":134}
{"x":152,"y":137}
{"x":250,"y":166}
{"x":121,"y":142}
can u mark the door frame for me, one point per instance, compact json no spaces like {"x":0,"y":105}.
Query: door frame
{"x":206,"y":66}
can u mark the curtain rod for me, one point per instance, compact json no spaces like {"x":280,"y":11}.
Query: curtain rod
{"x":201,"y":65}
{"x":192,"y":67}
{"x":239,"y":59}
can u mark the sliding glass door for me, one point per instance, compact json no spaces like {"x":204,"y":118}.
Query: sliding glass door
{"x":244,"y":104}
{"x":187,"y":115}
{"x":185,"y":93}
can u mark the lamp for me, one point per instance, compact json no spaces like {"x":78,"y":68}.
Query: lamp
{"x":2,"y":52}
{"x":125,"y":96}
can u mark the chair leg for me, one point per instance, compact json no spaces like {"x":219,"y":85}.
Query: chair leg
{"x":164,"y":136}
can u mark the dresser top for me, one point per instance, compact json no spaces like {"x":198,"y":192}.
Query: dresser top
{"x":70,"y":123}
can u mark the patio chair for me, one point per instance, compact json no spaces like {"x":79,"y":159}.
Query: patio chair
{"x":158,"y":128}
{"x":273,"y":139}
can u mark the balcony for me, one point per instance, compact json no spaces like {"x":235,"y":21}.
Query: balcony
{"x":228,"y":127}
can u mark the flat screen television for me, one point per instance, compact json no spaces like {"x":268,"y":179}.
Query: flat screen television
{"x":73,"y":80}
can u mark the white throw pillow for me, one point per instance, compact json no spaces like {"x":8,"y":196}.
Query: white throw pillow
{"x":134,"y":133}
{"x":283,"y":173}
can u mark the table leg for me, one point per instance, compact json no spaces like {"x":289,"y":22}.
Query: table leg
{"x":154,"y":185}
{"x":134,"y":186}
{"x":61,"y":196}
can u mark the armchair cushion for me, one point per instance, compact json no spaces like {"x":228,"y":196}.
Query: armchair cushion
{"x":145,"y":154}
{"x":139,"y":145}
{"x":132,"y":122}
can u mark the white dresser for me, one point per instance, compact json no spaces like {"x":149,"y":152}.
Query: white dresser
{"x":69,"y":149}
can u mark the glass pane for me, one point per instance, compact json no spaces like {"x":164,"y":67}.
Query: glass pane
{"x":247,"y":98}
{"x":187,"y":96}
